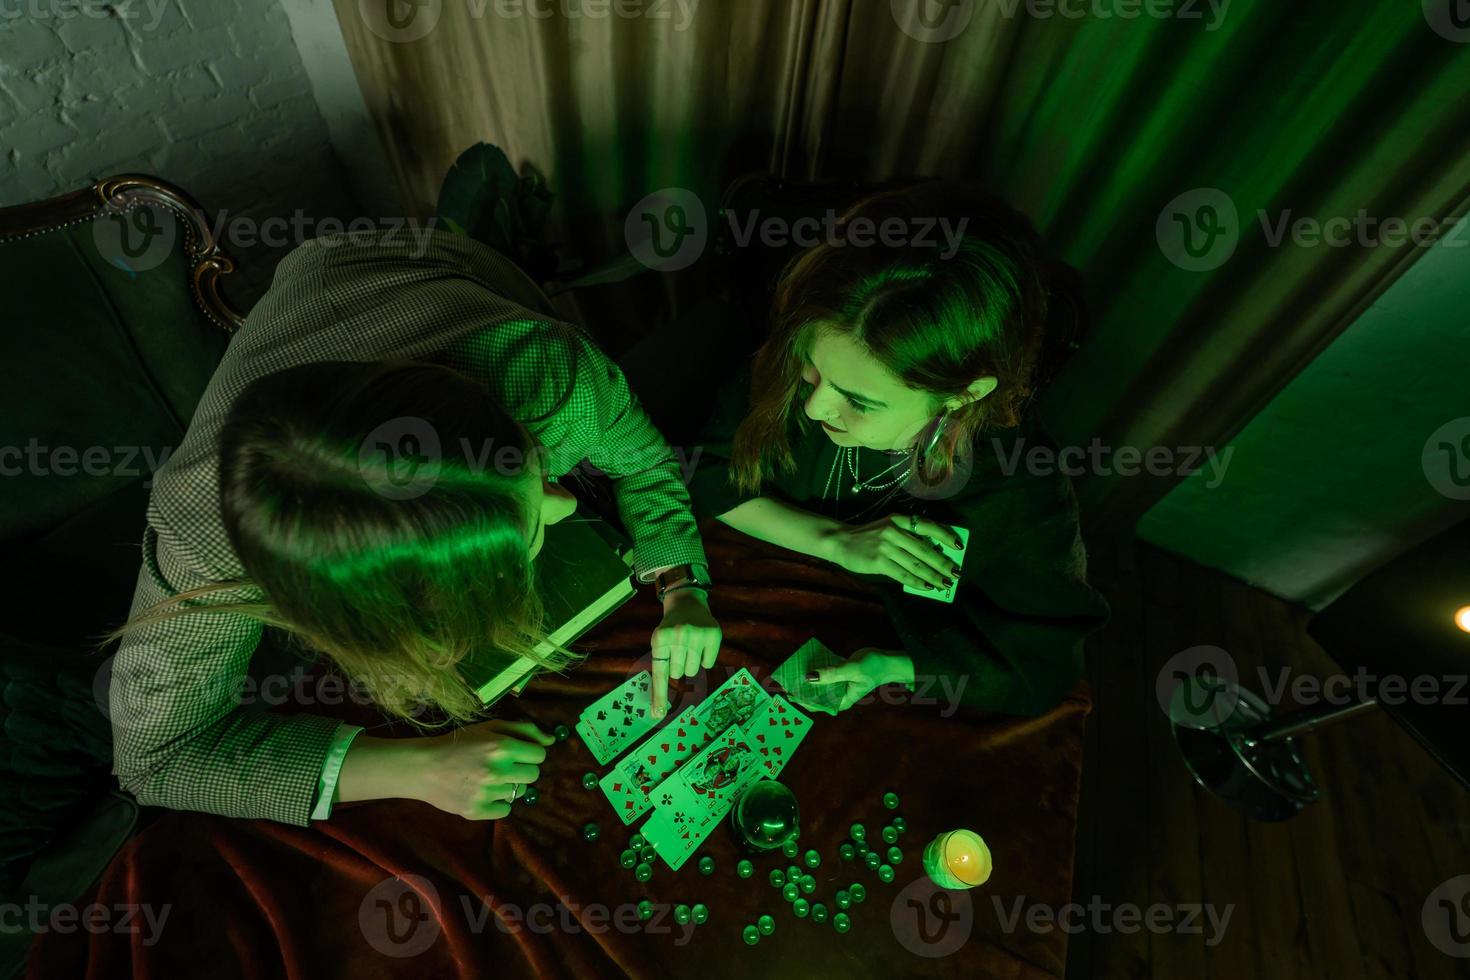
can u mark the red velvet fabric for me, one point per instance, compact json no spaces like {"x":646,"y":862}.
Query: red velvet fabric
{"x":359,"y":895}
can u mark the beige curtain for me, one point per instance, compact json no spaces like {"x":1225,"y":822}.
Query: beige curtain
{"x":1095,"y":125}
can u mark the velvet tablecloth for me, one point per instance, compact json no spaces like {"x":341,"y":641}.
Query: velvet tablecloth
{"x":400,"y":889}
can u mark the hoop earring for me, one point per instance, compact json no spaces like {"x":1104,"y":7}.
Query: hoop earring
{"x":939,"y":426}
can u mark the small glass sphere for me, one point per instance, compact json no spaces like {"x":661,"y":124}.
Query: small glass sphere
{"x":790,"y":891}
{"x":589,"y":780}
{"x":647,"y":852}
{"x":894,"y":855}
{"x":530,"y":795}
{"x":766,"y":924}
{"x":808,"y":884}
{"x":591,"y":832}
{"x":872,"y":860}
{"x":561,"y":732}
{"x":857,"y":891}
{"x":890,"y":835}
{"x":819,"y":912}
{"x":682,"y":915}
{"x":842,"y":899}
{"x":801,"y":907}
{"x":637,"y":842}
{"x":627,"y":859}
{"x":777,"y":877}
{"x":645,"y":910}
{"x":643,"y":872}
{"x":790,"y":848}
{"x":706,"y":865}
{"x":900,"y":824}
{"x":885,"y":873}
{"x":700,"y":913}
{"x":890,"y":800}
{"x":751,"y":935}
{"x":859,"y":832}
{"x":744,"y":869}
{"x":841,"y":922}
{"x":846,"y":852}
{"x":811,"y":859}
{"x":793,"y":872}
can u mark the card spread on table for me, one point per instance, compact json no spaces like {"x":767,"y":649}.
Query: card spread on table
{"x":693,"y":800}
{"x":619,"y":718}
{"x":946,"y":593}
{"x":629,"y":782}
{"x":775,"y":733}
{"x":811,"y":655}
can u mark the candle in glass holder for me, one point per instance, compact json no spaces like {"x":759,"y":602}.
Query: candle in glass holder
{"x":957,"y":859}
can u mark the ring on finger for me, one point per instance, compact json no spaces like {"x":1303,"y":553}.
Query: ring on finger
{"x":515,"y":791}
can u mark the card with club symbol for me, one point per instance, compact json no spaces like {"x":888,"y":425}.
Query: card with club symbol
{"x":618,"y":719}
{"x":689,"y":803}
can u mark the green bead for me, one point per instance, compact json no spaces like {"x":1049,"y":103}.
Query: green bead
{"x":801,"y":907}
{"x":790,"y":891}
{"x":700,"y":913}
{"x":591,"y":832}
{"x":861,"y":847}
{"x":885,"y":873}
{"x":841,"y":922}
{"x":842,"y":899}
{"x":645,"y":910}
{"x":894,"y":855}
{"x":811,"y":859}
{"x":643,"y":872}
{"x":890,"y":800}
{"x":744,"y":869}
{"x":777,"y":878}
{"x":890,"y":835}
{"x":706,"y":865}
{"x":766,"y":924}
{"x":900,"y":824}
{"x":682,"y":914}
{"x":790,"y":848}
{"x":561,"y":732}
{"x":648,"y":852}
{"x":589,"y":780}
{"x":872,"y":860}
{"x":531,"y":795}
{"x":819,"y":912}
{"x":793,"y":873}
{"x":751,"y":935}
{"x":847,"y":852}
{"x":808,"y":884}
{"x":637,"y":842}
{"x":859,"y":832}
{"x":627,"y":859}
{"x":857,"y":891}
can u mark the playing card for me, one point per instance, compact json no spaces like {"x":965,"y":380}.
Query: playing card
{"x":691,"y":802}
{"x":629,"y":783}
{"x":734,"y":702}
{"x":775,"y":733}
{"x":811,"y":655}
{"x":942,"y":593}
{"x":619,"y":718}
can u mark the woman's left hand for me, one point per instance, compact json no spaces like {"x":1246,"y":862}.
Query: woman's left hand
{"x":866,"y":669}
{"x":687,"y":641}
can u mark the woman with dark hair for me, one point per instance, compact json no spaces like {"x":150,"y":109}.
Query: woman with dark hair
{"x":371,"y":470}
{"x":886,"y":407}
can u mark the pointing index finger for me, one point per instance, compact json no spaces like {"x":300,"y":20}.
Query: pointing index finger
{"x":660,"y":692}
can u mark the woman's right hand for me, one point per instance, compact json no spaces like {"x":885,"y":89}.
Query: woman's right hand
{"x":897,"y":546}
{"x":473,"y":771}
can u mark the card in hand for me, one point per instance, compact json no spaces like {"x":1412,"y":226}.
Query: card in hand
{"x":630,"y":782}
{"x":775,"y":733}
{"x":942,"y":593}
{"x":811,"y":655}
{"x":619,"y":718}
{"x":690,"y":803}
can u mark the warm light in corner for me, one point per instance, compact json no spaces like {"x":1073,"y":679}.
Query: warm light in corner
{"x":1462,"y":618}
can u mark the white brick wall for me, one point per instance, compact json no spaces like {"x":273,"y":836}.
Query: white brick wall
{"x":209,"y":94}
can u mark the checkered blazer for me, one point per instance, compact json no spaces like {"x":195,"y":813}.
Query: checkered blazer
{"x":183,"y":738}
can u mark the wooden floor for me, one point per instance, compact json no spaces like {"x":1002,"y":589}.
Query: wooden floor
{"x":1334,"y":893}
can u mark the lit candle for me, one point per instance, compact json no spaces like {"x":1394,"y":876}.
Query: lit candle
{"x":958,"y":859}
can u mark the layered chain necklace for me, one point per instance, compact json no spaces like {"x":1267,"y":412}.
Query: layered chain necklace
{"x":847,"y":458}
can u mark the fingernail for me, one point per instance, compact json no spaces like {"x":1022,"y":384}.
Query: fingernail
{"x":928,"y":587}
{"x":813,"y":676}
{"x":955,"y":571}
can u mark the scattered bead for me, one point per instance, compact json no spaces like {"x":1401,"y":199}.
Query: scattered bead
{"x":777,"y":878}
{"x":706,"y":865}
{"x":859,"y":832}
{"x":744,"y":869}
{"x":801,"y":907}
{"x":808,"y":884}
{"x":872,"y":860}
{"x":890,"y":800}
{"x":890,"y":835}
{"x":793,"y":872}
{"x":790,"y":848}
{"x":645,"y":910}
{"x":589,"y":780}
{"x":885,"y":873}
{"x":841,"y":922}
{"x":530,"y":795}
{"x":857,"y":891}
{"x":700,"y":913}
{"x":682,"y":914}
{"x":842,"y":899}
{"x":562,"y":732}
{"x":643,"y":872}
{"x":766,"y":924}
{"x":811,"y":859}
{"x":847,"y":852}
{"x":751,"y":935}
{"x":647,"y":852}
{"x":627,"y":859}
{"x":638,"y":842}
{"x":894,"y":855}
{"x":790,"y":891}
{"x":819,"y":912}
{"x":900,"y":824}
{"x":591,"y":832}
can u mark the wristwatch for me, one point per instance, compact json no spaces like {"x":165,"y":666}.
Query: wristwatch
{"x":678,"y":577}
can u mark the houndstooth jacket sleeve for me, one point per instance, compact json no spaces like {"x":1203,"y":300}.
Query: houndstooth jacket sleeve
{"x":183,"y":738}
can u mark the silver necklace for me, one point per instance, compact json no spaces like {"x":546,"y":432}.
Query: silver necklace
{"x":859,"y":484}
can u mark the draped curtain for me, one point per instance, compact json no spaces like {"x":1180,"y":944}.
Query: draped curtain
{"x":1109,"y":126}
